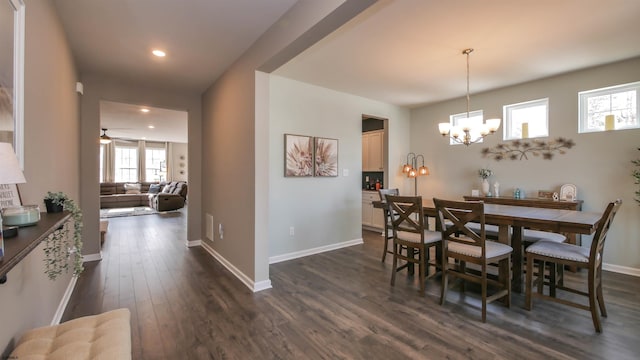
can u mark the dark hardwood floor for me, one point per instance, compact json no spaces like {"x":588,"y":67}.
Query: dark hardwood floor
{"x":335,"y":305}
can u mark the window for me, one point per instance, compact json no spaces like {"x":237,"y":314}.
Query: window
{"x":126,"y":164}
{"x":475,"y":120}
{"x":102,"y":163}
{"x":620,"y":101}
{"x":534,"y":113}
{"x":155,"y":164}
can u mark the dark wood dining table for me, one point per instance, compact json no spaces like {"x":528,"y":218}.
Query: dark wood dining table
{"x":516,"y":218}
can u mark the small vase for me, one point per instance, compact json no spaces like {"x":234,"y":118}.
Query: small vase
{"x":485,"y":187}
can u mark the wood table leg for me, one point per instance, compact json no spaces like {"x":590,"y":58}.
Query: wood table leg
{"x":517,"y":258}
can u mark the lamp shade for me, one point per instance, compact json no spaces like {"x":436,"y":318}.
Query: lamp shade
{"x":10,"y":172}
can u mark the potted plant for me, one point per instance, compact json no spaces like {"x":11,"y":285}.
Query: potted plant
{"x":61,"y":250}
{"x":484,"y":174}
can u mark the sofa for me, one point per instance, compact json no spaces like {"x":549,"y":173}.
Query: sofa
{"x":173,"y":196}
{"x":159,"y":196}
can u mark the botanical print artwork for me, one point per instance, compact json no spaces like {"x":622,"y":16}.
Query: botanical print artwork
{"x":326,"y":157}
{"x":298,"y":155}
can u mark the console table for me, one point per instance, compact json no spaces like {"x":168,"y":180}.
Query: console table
{"x":28,"y":238}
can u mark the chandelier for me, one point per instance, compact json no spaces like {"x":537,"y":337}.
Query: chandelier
{"x":467,"y":132}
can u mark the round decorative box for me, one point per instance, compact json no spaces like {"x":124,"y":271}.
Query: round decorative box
{"x":21,"y":215}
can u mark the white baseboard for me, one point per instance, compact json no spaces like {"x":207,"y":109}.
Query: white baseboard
{"x":318,"y":250}
{"x":64,"y":301}
{"x":621,"y":269}
{"x":193,"y":243}
{"x":253,"y":286}
{"x":92,"y":257}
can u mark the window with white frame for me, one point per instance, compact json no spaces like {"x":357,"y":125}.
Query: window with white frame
{"x":459,"y":121}
{"x":155,"y":162}
{"x":524,"y":120}
{"x":126,"y":162}
{"x":102,"y":163}
{"x":621,"y":101}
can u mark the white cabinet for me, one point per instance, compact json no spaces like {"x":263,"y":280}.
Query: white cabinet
{"x":371,"y":217}
{"x":373,"y":151}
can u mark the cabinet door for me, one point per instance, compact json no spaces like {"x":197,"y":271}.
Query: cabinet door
{"x":375,"y":151}
{"x":365,"y":152}
{"x":378,"y":218}
{"x":367,"y":212}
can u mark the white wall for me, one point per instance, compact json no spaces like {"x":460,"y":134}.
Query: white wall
{"x":599,"y":165}
{"x":179,"y":161}
{"x":323,"y":211}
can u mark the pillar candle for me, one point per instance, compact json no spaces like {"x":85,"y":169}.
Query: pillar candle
{"x":525,"y":130}
{"x":609,"y":122}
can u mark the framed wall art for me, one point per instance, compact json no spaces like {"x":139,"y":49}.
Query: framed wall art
{"x":326,"y":157}
{"x":298,"y":155}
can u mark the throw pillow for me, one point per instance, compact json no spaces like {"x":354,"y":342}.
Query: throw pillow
{"x":132,"y":188}
{"x":166,"y":189}
{"x":154,"y":188}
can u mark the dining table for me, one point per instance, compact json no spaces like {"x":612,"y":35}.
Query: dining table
{"x":512,"y":220}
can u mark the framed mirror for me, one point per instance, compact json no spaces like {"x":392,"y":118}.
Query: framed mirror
{"x":12,"y":20}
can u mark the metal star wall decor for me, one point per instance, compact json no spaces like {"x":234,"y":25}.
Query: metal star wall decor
{"x":521,"y":149}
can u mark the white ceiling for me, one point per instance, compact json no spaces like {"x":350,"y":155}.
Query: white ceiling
{"x":409,"y":52}
{"x":127,"y":121}
{"x":404,"y":52}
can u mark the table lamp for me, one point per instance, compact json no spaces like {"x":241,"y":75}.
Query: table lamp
{"x":10,"y":173}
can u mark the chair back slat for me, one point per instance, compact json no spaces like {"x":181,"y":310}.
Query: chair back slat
{"x":459,"y":215}
{"x":384,"y":192}
{"x":408,"y":213}
{"x":604,"y":224}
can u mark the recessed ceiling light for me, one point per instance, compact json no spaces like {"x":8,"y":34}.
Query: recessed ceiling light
{"x":144,"y":110}
{"x":159,"y":53}
{"x":151,"y":127}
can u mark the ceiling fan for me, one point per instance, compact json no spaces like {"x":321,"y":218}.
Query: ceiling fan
{"x":104,"y":138}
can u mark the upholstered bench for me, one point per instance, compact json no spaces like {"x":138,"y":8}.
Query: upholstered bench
{"x":104,"y":336}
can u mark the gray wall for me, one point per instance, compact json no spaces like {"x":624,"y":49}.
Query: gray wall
{"x":29,"y":299}
{"x":97,"y":88}
{"x":599,"y":165}
{"x":230,"y":171}
{"x":323,"y":211}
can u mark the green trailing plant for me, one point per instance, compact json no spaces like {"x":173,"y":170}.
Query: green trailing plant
{"x":61,"y":250}
{"x":636,"y":175}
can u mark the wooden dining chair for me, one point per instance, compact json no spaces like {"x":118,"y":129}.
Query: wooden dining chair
{"x":388,"y":217}
{"x":411,"y":235}
{"x":466,"y":245}
{"x":561,"y":254}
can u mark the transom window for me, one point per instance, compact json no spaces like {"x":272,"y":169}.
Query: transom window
{"x":528,"y":119}
{"x":621,"y":101}
{"x":459,"y":121}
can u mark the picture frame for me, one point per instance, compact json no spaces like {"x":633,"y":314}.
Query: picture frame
{"x":298,"y":155}
{"x":544,"y":194}
{"x":9,"y":196}
{"x":326,"y":157}
{"x":568,"y":192}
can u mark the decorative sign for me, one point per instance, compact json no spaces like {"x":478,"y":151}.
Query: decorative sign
{"x":9,"y":196}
